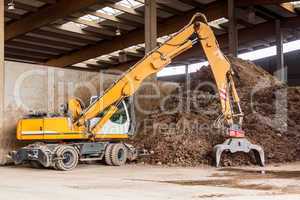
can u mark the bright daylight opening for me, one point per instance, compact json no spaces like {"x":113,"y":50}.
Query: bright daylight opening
{"x":111,"y":11}
{"x":252,"y":56}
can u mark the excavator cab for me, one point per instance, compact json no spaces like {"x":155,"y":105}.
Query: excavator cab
{"x":119,"y":122}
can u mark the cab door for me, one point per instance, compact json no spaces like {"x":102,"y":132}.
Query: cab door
{"x":119,"y":123}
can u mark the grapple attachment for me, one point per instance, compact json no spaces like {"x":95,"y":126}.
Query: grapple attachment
{"x":238,"y":143}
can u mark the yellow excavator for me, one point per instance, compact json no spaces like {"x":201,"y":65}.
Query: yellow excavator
{"x":98,"y":131}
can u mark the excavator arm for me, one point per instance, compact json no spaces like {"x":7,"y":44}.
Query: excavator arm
{"x":127,"y":85}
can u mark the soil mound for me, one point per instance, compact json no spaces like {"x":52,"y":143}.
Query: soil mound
{"x":183,"y":133}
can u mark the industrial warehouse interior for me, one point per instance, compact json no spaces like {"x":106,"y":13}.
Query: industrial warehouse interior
{"x":150,"y":99}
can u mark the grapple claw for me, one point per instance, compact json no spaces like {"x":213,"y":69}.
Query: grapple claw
{"x":234,"y":145}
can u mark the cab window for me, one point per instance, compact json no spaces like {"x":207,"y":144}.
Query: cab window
{"x":120,"y":116}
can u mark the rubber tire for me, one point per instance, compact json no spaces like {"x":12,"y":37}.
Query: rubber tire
{"x":60,"y":165}
{"x":107,"y":154}
{"x":115,"y":154}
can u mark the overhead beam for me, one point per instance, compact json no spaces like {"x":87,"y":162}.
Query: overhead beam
{"x":14,"y":57}
{"x":213,"y":11}
{"x":63,"y":36}
{"x":168,"y":9}
{"x":242,"y":3}
{"x":193,"y":3}
{"x":46,"y":42}
{"x":45,"y":16}
{"x":165,"y":8}
{"x":22,"y":6}
{"x":94,"y":66}
{"x":291,"y":23}
{"x":12,"y":15}
{"x":119,"y":68}
{"x":135,"y":16}
{"x":263,"y":31}
{"x":107,"y":61}
{"x":273,"y":14}
{"x":92,"y":63}
{"x":76,"y":30}
{"x":15,"y":51}
{"x":263,"y":15}
{"x":88,"y":69}
{"x":244,"y":22}
{"x":124,"y":9}
{"x":103,"y":30}
{"x":134,"y":53}
{"x":34,"y":47}
{"x":71,"y":32}
{"x":48,"y":1}
{"x":121,"y":23}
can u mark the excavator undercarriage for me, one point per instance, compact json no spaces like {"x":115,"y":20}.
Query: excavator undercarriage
{"x":66,"y":156}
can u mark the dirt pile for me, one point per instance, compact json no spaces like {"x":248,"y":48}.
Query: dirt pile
{"x":183,"y":131}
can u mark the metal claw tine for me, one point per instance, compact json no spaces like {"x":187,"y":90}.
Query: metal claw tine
{"x":234,"y":145}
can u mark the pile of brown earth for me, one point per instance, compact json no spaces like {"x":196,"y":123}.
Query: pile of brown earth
{"x":185,"y":135}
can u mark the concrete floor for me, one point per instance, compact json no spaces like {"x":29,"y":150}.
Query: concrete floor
{"x":151,"y":182}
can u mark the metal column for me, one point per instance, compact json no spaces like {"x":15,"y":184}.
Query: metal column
{"x":150,"y":25}
{"x":232,"y":31}
{"x":188,"y":88}
{"x":2,"y":132}
{"x":150,"y":43}
{"x":280,"y":71}
{"x":150,"y":28}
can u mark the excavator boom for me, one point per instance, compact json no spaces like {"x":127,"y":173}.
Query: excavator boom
{"x":196,"y":30}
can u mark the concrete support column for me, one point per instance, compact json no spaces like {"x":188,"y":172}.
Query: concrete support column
{"x":232,"y":31}
{"x":280,"y":71}
{"x":150,"y":25}
{"x":188,"y":88}
{"x":2,"y":136}
{"x":146,"y":98}
{"x":150,"y":29}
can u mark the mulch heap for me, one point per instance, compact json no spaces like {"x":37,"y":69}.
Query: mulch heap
{"x":185,"y":136}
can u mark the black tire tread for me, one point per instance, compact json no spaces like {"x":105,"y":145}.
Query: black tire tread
{"x":59,"y":163}
{"x":107,"y":154}
{"x":114,"y":154}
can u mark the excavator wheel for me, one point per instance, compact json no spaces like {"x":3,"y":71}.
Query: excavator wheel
{"x":118,"y":154}
{"x":67,"y":158}
{"x":107,"y":154}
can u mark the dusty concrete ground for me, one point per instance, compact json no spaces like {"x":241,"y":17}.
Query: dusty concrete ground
{"x":151,"y":182}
